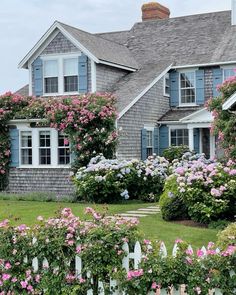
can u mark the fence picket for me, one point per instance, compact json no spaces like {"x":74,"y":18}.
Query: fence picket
{"x":218,"y":292}
{"x":113,"y":285}
{"x":101,"y":290}
{"x":137,"y":255}
{"x":163,"y":250}
{"x":125,"y":260}
{"x":78,"y":266}
{"x":175,"y":250}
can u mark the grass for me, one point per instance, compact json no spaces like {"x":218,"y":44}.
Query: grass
{"x":153,"y":227}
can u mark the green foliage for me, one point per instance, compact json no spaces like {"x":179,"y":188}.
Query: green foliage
{"x":109,"y":181}
{"x":224,"y":121}
{"x":175,"y":152}
{"x":227,"y":236}
{"x":172,"y":206}
{"x":88,"y":121}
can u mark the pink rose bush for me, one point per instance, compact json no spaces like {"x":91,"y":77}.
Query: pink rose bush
{"x":109,"y":181}
{"x":224,"y":121}
{"x":200,"y":270}
{"x":98,"y":241}
{"x":87,"y":120}
{"x":200,"y":189}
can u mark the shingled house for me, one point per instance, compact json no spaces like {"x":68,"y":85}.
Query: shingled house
{"x":162,"y":71}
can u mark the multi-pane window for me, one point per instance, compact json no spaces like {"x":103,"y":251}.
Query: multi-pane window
{"x":70,"y":74}
{"x":187,"y":87}
{"x":50,"y":76}
{"x":229,"y":73}
{"x":149,"y":143}
{"x":167,"y":85}
{"x":63,"y":149}
{"x":179,"y":137}
{"x":44,"y":148}
{"x":26,"y":147}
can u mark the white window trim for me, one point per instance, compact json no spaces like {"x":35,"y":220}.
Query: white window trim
{"x":60,"y":59}
{"x":35,"y":148}
{"x":187,"y":104}
{"x":164,"y":85}
{"x":174,"y":127}
{"x":228,"y":67}
{"x":21,"y":148}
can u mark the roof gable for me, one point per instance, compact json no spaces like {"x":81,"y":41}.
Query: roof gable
{"x":200,"y":116}
{"x":95,"y":47}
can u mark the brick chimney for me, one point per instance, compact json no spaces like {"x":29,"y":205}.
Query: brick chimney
{"x":154,"y":10}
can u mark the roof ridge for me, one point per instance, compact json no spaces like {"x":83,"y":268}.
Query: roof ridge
{"x":177,"y":17}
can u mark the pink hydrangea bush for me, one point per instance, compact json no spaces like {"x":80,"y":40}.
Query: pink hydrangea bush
{"x":206,"y":188}
{"x":108,"y":181}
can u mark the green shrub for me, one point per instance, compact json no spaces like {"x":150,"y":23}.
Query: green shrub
{"x":175,"y":152}
{"x":172,"y":206}
{"x":109,"y":181}
{"x":227,"y":236}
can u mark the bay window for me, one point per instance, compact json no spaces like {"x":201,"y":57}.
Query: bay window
{"x":26,"y":147}
{"x":179,"y":137}
{"x":51,"y":76}
{"x":187,"y":88}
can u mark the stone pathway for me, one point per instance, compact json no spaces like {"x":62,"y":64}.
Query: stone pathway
{"x":142,"y":212}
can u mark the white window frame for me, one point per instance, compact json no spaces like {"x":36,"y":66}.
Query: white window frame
{"x":174,"y":127}
{"x":60,"y":59}
{"x":183,"y":72}
{"x":62,"y":147}
{"x":35,"y":148}
{"x":44,"y":77}
{"x":228,"y":67}
{"x":150,"y":128}
{"x":167,"y":76}
{"x":22,"y":148}
{"x":45,"y":147}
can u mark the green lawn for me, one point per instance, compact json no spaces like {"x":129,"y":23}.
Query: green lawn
{"x":153,"y":227}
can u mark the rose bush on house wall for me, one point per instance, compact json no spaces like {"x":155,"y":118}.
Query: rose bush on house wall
{"x":88,"y":120}
{"x":206,"y":188}
{"x":224,"y":125}
{"x":106,"y":181}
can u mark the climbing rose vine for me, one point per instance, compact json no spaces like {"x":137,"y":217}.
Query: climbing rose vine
{"x":224,"y":125}
{"x":88,"y":121}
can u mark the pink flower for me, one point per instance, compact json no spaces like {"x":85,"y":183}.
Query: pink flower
{"x":6,"y":277}
{"x":198,"y":290}
{"x":78,"y":249}
{"x":200,"y":253}
{"x":81,"y":280}
{"x":24,"y":284}
{"x":177,"y":241}
{"x":147,"y":242}
{"x":40,"y":218}
{"x":7,"y":265}
{"x":14,"y":280}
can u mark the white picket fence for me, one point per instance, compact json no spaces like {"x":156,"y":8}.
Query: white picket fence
{"x":135,"y":257}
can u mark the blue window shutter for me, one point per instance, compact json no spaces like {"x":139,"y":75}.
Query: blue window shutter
{"x":217,"y":80}
{"x":196,"y":135}
{"x":164,"y":138}
{"x":174,"y":89}
{"x":14,"y":138}
{"x":83,"y":74}
{"x":38,"y":77}
{"x":143,"y":144}
{"x":156,"y":140}
{"x":200,"y":89}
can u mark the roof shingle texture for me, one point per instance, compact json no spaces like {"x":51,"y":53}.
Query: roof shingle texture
{"x":176,"y":114}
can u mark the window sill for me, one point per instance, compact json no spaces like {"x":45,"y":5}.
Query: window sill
{"x":188,"y":105}
{"x":60,"y":94}
{"x":44,"y":166}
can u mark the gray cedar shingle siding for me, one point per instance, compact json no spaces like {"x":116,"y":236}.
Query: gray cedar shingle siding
{"x":60,"y":44}
{"x":145,"y":112}
{"x":22,"y":180}
{"x":108,"y":76}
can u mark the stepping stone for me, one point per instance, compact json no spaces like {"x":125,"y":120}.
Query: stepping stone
{"x":150,"y":210}
{"x":138,"y":212}
{"x":153,"y":207}
{"x":132,"y":215}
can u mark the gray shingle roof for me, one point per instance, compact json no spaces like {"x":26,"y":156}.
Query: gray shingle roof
{"x":103,"y":49}
{"x":176,"y":114}
{"x":24,"y":91}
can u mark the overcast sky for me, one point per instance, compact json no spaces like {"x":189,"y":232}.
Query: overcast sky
{"x":23,"y":22}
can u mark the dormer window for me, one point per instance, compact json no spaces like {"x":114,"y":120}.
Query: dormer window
{"x":187,"y":88}
{"x":51,"y":76}
{"x":70,"y":75}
